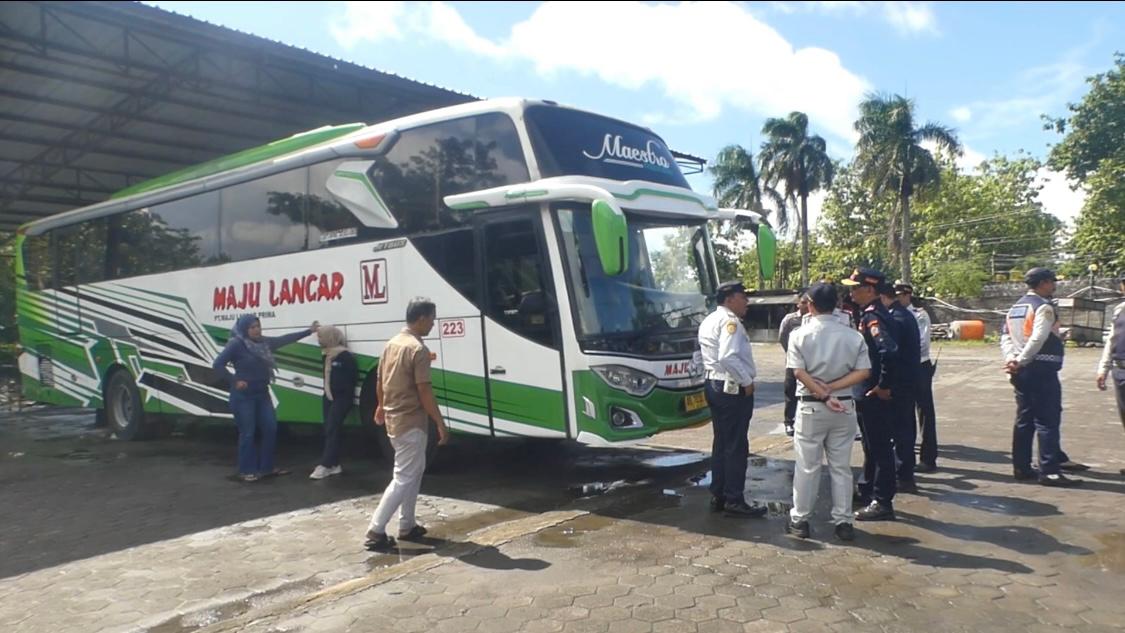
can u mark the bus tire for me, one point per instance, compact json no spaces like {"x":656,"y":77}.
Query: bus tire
{"x":125,"y":414}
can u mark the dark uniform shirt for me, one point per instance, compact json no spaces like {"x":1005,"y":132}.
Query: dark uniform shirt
{"x":909,"y":341}
{"x":878,"y":331}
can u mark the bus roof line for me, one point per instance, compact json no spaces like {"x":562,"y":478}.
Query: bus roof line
{"x":580,"y":188}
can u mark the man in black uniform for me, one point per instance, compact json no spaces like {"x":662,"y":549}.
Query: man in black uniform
{"x":791,"y":322}
{"x":877,"y":485}
{"x":905,"y":381}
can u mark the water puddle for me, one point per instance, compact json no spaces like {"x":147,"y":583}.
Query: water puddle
{"x":1112,"y":556}
{"x":567,"y":534}
{"x":675,"y":460}
{"x":206,"y":617}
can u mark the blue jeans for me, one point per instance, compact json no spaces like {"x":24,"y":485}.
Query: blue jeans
{"x":254,"y":414}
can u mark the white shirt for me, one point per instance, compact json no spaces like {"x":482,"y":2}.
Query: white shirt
{"x":1106,"y":362}
{"x":923,"y":331}
{"x":725,"y":348}
{"x":843,"y":318}
{"x":827,"y":350}
{"x":1041,"y":329}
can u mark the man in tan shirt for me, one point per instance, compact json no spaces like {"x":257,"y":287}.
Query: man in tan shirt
{"x":406,"y":404}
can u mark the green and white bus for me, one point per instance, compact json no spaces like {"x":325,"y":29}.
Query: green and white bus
{"x":567,"y":255}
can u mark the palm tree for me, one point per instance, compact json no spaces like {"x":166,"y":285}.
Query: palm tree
{"x":890,"y":156}
{"x":800,"y":163}
{"x":736,"y":184}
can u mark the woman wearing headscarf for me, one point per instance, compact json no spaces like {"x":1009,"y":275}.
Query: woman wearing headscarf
{"x":250,"y":401}
{"x":340,"y":374}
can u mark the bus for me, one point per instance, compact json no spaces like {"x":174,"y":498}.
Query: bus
{"x":568,"y":257}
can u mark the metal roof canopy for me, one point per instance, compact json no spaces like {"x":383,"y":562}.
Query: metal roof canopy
{"x":97,"y":96}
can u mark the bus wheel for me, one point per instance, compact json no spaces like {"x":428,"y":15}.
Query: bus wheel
{"x":124,"y":413}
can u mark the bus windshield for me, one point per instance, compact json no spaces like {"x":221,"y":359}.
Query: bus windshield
{"x":655,"y":307}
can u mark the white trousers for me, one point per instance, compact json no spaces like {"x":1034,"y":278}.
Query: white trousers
{"x":402,"y":493}
{"x":819,"y":433}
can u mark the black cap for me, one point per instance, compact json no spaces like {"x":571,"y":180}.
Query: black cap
{"x":727,"y":289}
{"x":901,"y":287}
{"x":822,"y":294}
{"x":865,"y":277}
{"x":1037,"y":275}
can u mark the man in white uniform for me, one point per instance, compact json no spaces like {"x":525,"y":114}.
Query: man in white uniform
{"x":828,"y":358}
{"x":730,"y":372}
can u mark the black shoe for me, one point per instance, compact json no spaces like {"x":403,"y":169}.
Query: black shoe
{"x":741,"y":510}
{"x":415,"y":534}
{"x":1073,"y":467}
{"x":378,"y":542}
{"x":799,"y":529}
{"x":789,"y":428}
{"x":1058,"y":480}
{"x":924,"y":467}
{"x":876,"y":511}
{"x":717,"y":504}
{"x":907,"y":486}
{"x":845,"y":532}
{"x":1025,"y":475}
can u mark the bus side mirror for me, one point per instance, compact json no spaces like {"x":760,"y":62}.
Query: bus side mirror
{"x":767,"y":250}
{"x":610,"y":236}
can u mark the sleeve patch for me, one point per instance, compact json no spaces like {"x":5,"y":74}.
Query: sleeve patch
{"x":731,"y":328}
{"x":874,"y":329}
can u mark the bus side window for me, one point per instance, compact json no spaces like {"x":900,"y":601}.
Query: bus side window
{"x":38,"y":265}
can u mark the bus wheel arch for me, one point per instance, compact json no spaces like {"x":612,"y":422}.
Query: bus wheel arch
{"x":124,"y":411}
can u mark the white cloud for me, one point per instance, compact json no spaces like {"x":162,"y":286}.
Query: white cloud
{"x":967,"y":162}
{"x":724,"y":34}
{"x":369,"y":22}
{"x":1035,"y":91}
{"x":962,"y":114}
{"x":1057,"y":196}
{"x":910,"y":17}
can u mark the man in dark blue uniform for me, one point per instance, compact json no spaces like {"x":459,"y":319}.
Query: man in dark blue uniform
{"x":1033,"y":355}
{"x":877,"y":485}
{"x":905,"y":379}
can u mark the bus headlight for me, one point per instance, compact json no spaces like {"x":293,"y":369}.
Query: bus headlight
{"x":627,"y":379}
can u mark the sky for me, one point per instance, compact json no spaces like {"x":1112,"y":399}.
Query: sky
{"x":706,"y":75}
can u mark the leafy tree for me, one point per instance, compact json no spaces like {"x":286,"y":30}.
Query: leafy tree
{"x":798,"y":162}
{"x":1099,"y":234}
{"x":1095,"y":130}
{"x":852,"y":228}
{"x":992,"y":217}
{"x":890,"y":157}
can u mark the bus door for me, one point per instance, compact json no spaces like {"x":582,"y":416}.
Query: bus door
{"x":523,"y":362}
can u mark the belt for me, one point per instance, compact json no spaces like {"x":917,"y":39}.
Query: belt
{"x":815,"y":399}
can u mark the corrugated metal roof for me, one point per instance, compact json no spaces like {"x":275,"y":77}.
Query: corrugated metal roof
{"x":98,"y":96}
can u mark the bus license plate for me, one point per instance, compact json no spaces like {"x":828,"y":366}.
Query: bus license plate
{"x":694,"y":402}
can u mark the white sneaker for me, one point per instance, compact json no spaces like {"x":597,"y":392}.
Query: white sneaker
{"x":320,"y":472}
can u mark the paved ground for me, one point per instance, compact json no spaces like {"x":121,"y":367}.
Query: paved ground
{"x":103,"y":536}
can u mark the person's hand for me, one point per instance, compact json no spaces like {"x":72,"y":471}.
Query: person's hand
{"x":380,"y":416}
{"x":880,"y":393}
{"x":443,"y":434}
{"x":240,"y":385}
{"x":748,"y":390}
{"x":835,"y":405}
{"x":315,"y":326}
{"x":1101,"y":382}
{"x":822,"y":390}
{"x":1012,"y":367}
